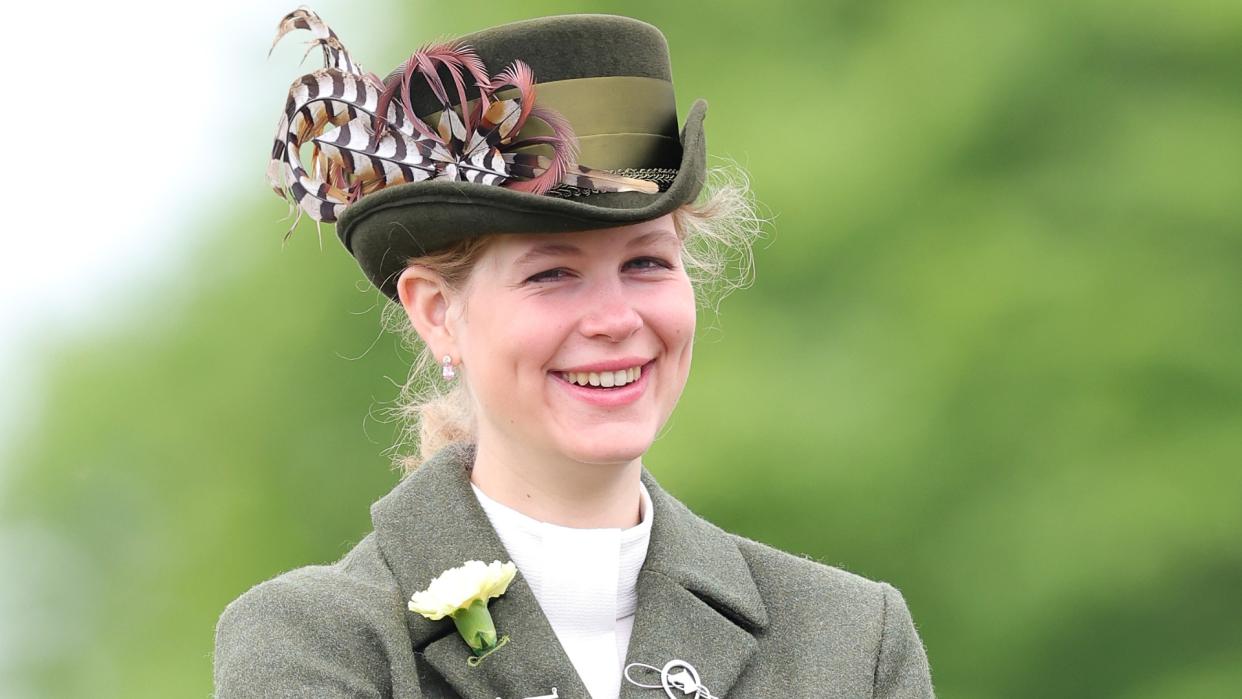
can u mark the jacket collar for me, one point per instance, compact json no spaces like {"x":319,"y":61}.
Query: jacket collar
{"x":697,"y":600}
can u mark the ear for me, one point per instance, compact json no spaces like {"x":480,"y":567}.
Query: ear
{"x":426,"y":300}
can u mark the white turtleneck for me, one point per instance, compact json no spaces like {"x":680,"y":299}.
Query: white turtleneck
{"x":584,"y":580}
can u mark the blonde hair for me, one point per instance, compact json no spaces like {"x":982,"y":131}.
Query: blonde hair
{"x":717,"y":231}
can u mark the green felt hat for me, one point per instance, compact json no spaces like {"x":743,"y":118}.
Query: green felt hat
{"x":610,"y":77}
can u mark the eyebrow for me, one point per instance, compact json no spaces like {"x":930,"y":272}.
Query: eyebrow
{"x":546,"y":250}
{"x":553,"y":249}
{"x":651,"y":237}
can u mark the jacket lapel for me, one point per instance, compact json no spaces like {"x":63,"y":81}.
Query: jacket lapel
{"x":697,"y":601}
{"x":432,"y":522}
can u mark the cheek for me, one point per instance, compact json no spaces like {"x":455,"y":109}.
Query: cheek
{"x":676,"y":315}
{"x":508,"y":341}
{"x":687,"y":309}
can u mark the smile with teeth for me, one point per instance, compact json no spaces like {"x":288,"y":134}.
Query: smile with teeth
{"x":603,"y":379}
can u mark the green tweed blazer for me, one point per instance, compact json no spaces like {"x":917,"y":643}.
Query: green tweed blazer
{"x":754,"y":621}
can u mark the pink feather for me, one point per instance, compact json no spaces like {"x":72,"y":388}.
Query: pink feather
{"x":564,"y":153}
{"x":518,"y":75}
{"x":454,"y":56}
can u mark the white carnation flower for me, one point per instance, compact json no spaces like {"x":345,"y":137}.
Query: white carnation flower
{"x":456,"y":589}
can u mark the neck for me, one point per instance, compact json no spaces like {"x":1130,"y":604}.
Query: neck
{"x":558,"y":490}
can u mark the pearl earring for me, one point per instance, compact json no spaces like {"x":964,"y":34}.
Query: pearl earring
{"x":446,"y":368}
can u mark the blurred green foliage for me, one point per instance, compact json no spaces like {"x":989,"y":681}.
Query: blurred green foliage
{"x":992,"y":356}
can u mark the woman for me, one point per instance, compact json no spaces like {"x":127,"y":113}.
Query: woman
{"x":548,"y":275}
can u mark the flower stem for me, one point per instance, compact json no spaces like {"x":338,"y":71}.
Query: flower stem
{"x":474,"y":623}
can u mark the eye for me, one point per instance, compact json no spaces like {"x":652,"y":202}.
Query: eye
{"x":648,"y":263}
{"x":549,"y":275}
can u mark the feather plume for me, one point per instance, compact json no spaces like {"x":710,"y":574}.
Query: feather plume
{"x":394,"y":159}
{"x":301,"y":18}
{"x":405,"y":89}
{"x":364,"y":134}
{"x":484,"y":166}
{"x":454,"y":56}
{"x":324,"y":98}
{"x":320,"y":100}
{"x":497,"y":123}
{"x":564,"y":153}
{"x":334,"y":53}
{"x":451,"y":129}
{"x":520,"y":76}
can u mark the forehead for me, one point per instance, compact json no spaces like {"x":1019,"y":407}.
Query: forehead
{"x":520,"y":248}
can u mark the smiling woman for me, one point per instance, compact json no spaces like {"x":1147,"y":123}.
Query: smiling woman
{"x":612,"y":305}
{"x":558,"y":300}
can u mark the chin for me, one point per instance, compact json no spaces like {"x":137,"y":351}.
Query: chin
{"x":605,"y":448}
{"x":606,"y":456}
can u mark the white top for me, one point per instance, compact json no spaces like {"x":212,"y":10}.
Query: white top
{"x":584,"y":580}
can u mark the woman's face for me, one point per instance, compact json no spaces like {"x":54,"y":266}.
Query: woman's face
{"x":545,"y":314}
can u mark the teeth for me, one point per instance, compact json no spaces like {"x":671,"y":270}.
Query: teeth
{"x":605,"y":379}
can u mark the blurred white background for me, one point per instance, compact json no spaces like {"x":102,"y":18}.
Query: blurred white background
{"x":127,"y":121}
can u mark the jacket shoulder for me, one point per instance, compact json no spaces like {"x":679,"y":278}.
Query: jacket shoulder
{"x":863,"y":624}
{"x":322,"y":630}
{"x":787,"y":577}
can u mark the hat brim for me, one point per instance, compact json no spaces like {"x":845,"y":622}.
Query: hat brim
{"x":385,"y":229}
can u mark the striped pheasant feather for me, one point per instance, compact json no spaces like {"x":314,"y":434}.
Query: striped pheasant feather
{"x":395,"y":158}
{"x":323,"y":99}
{"x":334,"y":53}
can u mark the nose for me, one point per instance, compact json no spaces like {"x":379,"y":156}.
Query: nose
{"x":611,"y":314}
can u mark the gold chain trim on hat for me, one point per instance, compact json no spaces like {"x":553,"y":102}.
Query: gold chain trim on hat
{"x":663,"y":177}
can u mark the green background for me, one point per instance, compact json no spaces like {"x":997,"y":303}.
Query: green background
{"x":992,"y":355}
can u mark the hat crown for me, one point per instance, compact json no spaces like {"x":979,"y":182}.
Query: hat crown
{"x":567,"y":47}
{"x":563,"y":47}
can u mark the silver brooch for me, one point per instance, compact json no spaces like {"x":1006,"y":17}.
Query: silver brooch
{"x":676,"y":674}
